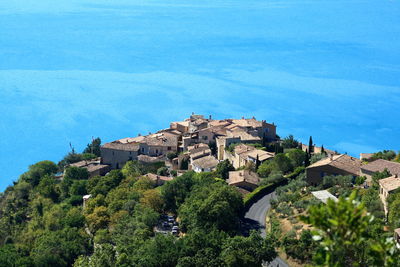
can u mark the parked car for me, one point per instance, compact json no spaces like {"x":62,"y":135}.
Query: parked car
{"x":171,"y":219}
{"x":175,"y":228}
{"x":174,"y":232}
{"x":165,"y":224}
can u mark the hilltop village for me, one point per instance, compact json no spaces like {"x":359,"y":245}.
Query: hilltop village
{"x":204,"y":192}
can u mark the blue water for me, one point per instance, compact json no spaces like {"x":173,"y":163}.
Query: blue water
{"x":73,"y":69}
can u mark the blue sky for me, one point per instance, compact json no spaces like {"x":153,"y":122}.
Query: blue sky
{"x":70,"y":70}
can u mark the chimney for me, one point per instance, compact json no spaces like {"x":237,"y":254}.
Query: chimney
{"x":331,"y":156}
{"x":210,"y":117}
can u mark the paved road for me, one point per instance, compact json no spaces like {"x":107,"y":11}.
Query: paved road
{"x":255,"y":219}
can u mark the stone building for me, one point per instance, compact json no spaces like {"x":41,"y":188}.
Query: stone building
{"x":333,"y":165}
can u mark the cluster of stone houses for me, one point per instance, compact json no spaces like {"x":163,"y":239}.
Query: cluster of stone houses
{"x":192,"y":137}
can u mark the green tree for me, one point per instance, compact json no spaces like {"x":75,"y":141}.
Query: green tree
{"x":76,"y":173}
{"x":172,"y":155}
{"x":385,"y":154}
{"x":394,"y":212}
{"x":176,"y":191}
{"x":47,"y":187}
{"x":218,"y":206}
{"x":94,"y":147}
{"x":282,"y":163}
{"x":39,"y":170}
{"x":297,"y":157}
{"x":310,"y":145}
{"x":152,"y":199}
{"x":290,"y":142}
{"x":99,"y":219}
{"x":343,"y":236}
{"x":59,"y":248}
{"x":78,"y":188}
{"x":379,"y":175}
{"x":163,"y":171}
{"x":223,"y":169}
{"x":247,"y":251}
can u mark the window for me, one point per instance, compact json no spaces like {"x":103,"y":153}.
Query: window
{"x":130,"y":152}
{"x":169,"y":148}
{"x":322,"y":174}
{"x":142,"y":149}
{"x":113,"y":153}
{"x":156,"y":151}
{"x":205,"y":137}
{"x":130,"y":158}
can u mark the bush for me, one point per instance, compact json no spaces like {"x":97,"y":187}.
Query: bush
{"x":172,"y":155}
{"x":360,"y":180}
{"x":274,"y":177}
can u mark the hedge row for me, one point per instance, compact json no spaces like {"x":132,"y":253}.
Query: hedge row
{"x":295,"y":173}
{"x":260,"y":192}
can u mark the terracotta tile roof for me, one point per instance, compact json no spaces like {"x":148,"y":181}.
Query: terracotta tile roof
{"x":236,"y":177}
{"x":96,"y":167}
{"x":205,"y":162}
{"x":390,"y":183}
{"x":183,"y":123}
{"x":90,"y":165}
{"x":381,"y":164}
{"x":242,"y":148}
{"x":248,"y":123}
{"x":161,"y":139}
{"x":262,"y":155}
{"x":122,"y":146}
{"x":155,"y":177}
{"x":200,"y":152}
{"x":223,"y":123}
{"x":343,"y":162}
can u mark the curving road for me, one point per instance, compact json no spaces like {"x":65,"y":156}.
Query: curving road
{"x":255,"y":219}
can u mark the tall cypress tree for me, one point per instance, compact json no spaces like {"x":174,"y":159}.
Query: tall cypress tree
{"x":310,"y":145}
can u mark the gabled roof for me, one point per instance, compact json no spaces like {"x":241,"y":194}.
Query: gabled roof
{"x":242,"y":148}
{"x":390,"y":183}
{"x":262,"y":155}
{"x":122,"y":146}
{"x":381,"y":164}
{"x":200,"y":152}
{"x":342,"y":162}
{"x":248,"y":123}
{"x":236,"y":177}
{"x":206,"y":162}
